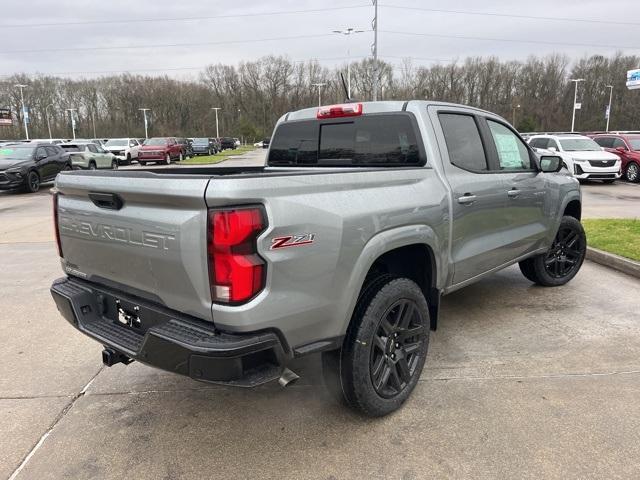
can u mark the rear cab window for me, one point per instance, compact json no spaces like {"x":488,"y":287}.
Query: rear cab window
{"x":374,"y":140}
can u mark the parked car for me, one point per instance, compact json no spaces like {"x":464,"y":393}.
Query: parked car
{"x":204,"y":146}
{"x":125,"y":149}
{"x":187,"y":151}
{"x":88,"y":155}
{"x":227,"y":275}
{"x":237,"y":141}
{"x":27,"y":165}
{"x":581,"y":156}
{"x":227,"y":142}
{"x":160,"y":150}
{"x":627,"y":147}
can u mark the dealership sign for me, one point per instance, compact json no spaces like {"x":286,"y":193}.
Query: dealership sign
{"x":633,"y":79}
{"x":5,"y":116}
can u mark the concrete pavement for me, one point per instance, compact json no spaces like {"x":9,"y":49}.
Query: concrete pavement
{"x":521,"y":382}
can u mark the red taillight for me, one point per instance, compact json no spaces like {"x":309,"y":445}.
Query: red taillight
{"x":338,"y":111}
{"x":236,"y":271}
{"x":55,"y":223}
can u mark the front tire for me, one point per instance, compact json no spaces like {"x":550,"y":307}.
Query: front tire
{"x":632,"y":173}
{"x":385,"y":348}
{"x":33,"y":182}
{"x":114,"y":164}
{"x":563,"y":260}
{"x":92,"y":166}
{"x":167,"y":159}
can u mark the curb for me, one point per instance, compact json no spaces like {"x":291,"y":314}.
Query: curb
{"x":622,"y":264}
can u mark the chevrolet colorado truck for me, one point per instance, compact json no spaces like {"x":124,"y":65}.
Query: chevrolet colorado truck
{"x":364,"y":216}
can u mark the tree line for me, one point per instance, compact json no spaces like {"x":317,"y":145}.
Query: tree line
{"x":535,"y":94}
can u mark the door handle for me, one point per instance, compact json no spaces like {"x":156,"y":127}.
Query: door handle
{"x":467,"y":199}
{"x":513,"y":193}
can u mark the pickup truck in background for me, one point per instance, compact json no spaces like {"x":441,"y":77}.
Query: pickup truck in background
{"x":125,"y":149}
{"x":364,"y":216}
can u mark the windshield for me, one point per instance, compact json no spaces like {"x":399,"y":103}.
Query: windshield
{"x":634,"y":143}
{"x":579,"y":145}
{"x":21,"y":153}
{"x":117,"y":142}
{"x":200,"y":140}
{"x":155,"y":141}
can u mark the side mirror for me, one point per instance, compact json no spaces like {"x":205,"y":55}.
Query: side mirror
{"x":621,"y":149}
{"x":40,"y":157}
{"x":550,"y":163}
{"x":553,"y":149}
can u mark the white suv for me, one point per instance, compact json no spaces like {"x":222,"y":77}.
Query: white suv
{"x":581,"y":156}
{"x":125,"y":149}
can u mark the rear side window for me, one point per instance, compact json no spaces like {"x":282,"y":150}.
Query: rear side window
{"x":369,"y":141}
{"x":539,"y":142}
{"x":463,"y":141}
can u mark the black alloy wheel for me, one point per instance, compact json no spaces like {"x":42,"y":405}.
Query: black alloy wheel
{"x":397,"y":346}
{"x":565,"y":254}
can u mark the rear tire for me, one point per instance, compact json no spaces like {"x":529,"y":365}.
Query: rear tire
{"x":384,"y":350}
{"x":114,"y":165}
{"x":181,"y":157}
{"x":128,"y":159}
{"x":563,"y":260}
{"x":92,"y":165}
{"x":632,"y":173}
{"x":167,"y":160}
{"x":142,"y":163}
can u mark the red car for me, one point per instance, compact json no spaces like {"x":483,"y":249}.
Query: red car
{"x":627,"y":147}
{"x":160,"y":149}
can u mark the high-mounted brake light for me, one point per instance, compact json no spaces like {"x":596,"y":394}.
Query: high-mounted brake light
{"x":236,"y":271}
{"x":55,"y":223}
{"x":339,"y":111}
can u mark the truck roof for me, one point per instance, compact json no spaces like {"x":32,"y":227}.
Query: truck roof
{"x":384,"y":106}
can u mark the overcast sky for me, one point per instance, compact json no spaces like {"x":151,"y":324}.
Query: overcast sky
{"x":313,"y":29}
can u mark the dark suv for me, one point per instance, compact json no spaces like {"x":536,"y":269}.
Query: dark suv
{"x":204,"y":146}
{"x":627,"y":147}
{"x":227,"y":142}
{"x":27,"y":165}
{"x":187,"y":150}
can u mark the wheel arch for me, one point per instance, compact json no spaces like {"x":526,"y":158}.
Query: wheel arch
{"x":409,"y":251}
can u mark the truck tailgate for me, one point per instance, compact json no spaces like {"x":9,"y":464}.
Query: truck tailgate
{"x":153,"y":246}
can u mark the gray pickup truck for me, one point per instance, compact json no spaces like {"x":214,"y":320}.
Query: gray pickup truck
{"x":363,"y":217}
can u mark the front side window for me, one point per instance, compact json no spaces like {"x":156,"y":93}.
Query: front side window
{"x":512,"y":153}
{"x":539,"y":142}
{"x":606,"y":142}
{"x":618,"y":142}
{"x":92,"y":148}
{"x":463,"y":141}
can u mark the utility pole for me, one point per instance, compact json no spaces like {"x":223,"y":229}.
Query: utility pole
{"x":374,"y":24}
{"x":610,"y":87}
{"x":73,"y":121}
{"x":513,"y":117}
{"x":319,"y":85}
{"x":46,"y":113}
{"x":24,"y":110}
{"x":93,"y":121}
{"x":217,"y":130}
{"x":146,"y":124}
{"x":575,"y":99}
{"x":348,"y":32}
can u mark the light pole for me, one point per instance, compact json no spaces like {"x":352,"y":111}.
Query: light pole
{"x":513,"y":117}
{"x":319,"y":85}
{"x":348,"y":32}
{"x":73,"y":121}
{"x":46,"y":114}
{"x":610,"y":87}
{"x":217,"y":131}
{"x":575,"y":99}
{"x":24,"y":111}
{"x":146,"y":124}
{"x":375,"y":49}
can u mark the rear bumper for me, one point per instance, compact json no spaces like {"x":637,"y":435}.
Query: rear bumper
{"x":165,"y":339}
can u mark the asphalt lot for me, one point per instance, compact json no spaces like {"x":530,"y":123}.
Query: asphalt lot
{"x":521,"y":382}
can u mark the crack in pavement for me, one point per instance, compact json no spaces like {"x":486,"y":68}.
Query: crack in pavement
{"x":56,"y":420}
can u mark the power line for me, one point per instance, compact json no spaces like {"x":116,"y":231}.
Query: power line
{"x":495,"y":14}
{"x":509,"y":40}
{"x":166,"y":45}
{"x":177,"y":19}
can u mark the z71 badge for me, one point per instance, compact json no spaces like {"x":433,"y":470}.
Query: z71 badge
{"x":292,"y":240}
